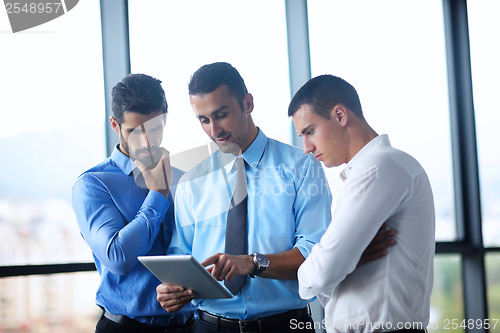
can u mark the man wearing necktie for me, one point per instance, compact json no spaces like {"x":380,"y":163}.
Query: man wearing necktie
{"x":255,"y":238}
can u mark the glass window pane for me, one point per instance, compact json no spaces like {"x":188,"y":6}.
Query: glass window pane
{"x":447,"y":297}
{"x":57,"y":303}
{"x":397,"y":64}
{"x":53,"y":129}
{"x":172,"y":39}
{"x":493,"y":289}
{"x":485,"y":53}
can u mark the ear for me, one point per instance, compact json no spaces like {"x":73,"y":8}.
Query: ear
{"x":340,"y":114}
{"x":248,"y":103}
{"x":114,"y":124}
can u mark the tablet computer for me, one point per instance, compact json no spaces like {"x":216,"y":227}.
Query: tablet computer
{"x":185,"y":271}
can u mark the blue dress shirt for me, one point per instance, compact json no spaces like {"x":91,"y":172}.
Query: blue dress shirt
{"x":120,"y":221}
{"x":289,"y":206}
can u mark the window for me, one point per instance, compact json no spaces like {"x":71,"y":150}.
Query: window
{"x":485,"y":52}
{"x":447,"y":302}
{"x":250,"y":36}
{"x":493,"y":289}
{"x":57,"y":303}
{"x":53,"y":116}
{"x":397,"y":65}
{"x":53,"y":129}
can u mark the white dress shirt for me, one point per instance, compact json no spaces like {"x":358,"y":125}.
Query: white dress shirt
{"x":381,"y":184}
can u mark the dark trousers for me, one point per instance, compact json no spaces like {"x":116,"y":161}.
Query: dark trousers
{"x":105,"y":325}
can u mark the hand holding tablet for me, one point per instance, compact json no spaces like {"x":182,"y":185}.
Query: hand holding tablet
{"x":185,"y":271}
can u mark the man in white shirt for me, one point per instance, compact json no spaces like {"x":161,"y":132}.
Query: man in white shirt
{"x":381,"y":184}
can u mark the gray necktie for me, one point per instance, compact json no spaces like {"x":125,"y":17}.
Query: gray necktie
{"x":236,"y":225}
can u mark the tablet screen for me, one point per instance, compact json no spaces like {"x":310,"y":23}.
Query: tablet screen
{"x":185,"y":271}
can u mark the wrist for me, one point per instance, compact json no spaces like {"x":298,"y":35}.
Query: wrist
{"x":261,"y":262}
{"x":251,"y":264}
{"x":163,"y":191}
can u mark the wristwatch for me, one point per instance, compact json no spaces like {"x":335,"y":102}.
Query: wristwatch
{"x":261,"y":263}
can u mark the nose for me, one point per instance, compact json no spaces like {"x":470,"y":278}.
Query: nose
{"x":215,"y":129}
{"x":308,"y":146}
{"x":145,"y":142}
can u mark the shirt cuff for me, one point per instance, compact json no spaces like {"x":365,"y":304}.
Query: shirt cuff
{"x":304,"y":291}
{"x":304,"y":247}
{"x":157,"y":201}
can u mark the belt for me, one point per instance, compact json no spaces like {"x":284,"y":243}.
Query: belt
{"x":270,"y":323}
{"x":141,"y":327}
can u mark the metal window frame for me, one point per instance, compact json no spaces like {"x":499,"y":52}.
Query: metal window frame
{"x":116,"y":55}
{"x":44,"y":269}
{"x":465,"y":160}
{"x":299,"y":56}
{"x":116,"y":62}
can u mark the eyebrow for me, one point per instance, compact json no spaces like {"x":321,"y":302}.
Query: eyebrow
{"x":305,"y":130}
{"x":214,"y":113}
{"x":143,"y":129}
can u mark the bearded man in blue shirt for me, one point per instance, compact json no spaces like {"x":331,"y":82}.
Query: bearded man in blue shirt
{"x":286,"y":209}
{"x":124,"y":208}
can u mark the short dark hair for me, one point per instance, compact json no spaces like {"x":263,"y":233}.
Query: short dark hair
{"x":322,"y":93}
{"x":139,"y":93}
{"x":210,"y":77}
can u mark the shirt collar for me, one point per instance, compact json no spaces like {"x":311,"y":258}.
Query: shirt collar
{"x":254,"y":152}
{"x":375,"y":143}
{"x":122,"y":161}
{"x":252,"y":155}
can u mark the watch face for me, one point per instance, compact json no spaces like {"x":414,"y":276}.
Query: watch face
{"x":262,"y":260}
